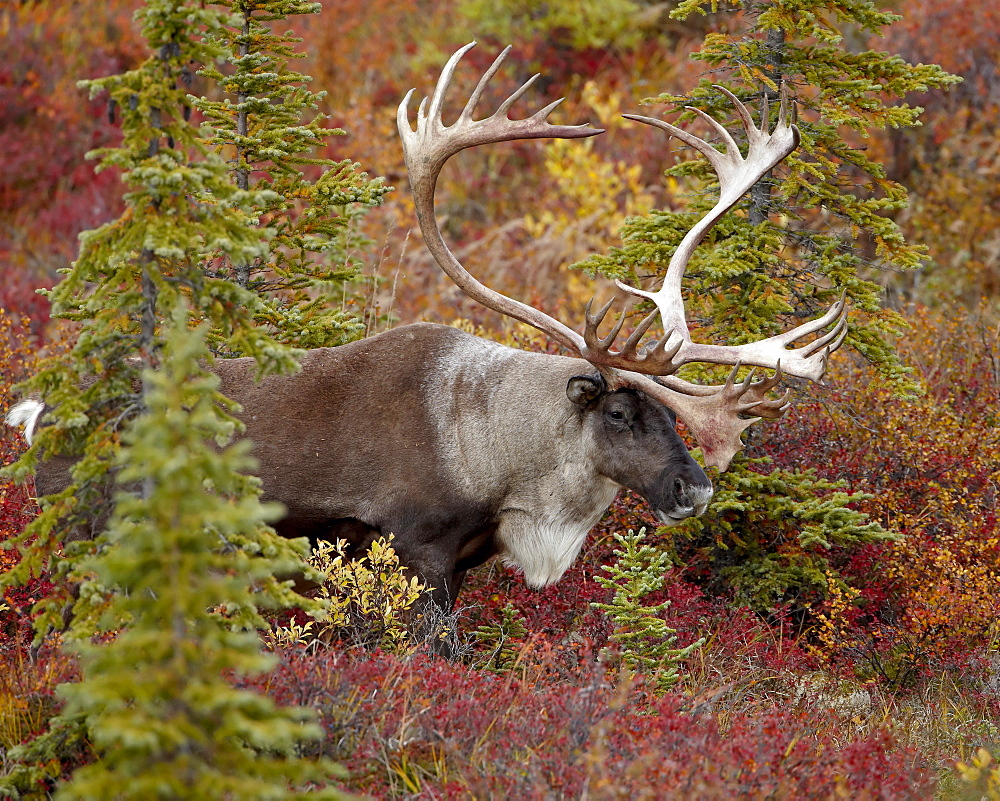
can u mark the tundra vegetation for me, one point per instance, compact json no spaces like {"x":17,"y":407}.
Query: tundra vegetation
{"x":828,"y":629}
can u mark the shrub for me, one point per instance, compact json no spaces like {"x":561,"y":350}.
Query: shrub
{"x":930,"y":466}
{"x":17,"y":505}
{"x":368,"y":600}
{"x":982,"y":776}
{"x":422,"y":726}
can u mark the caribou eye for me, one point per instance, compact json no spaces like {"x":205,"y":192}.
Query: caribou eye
{"x":616,"y":416}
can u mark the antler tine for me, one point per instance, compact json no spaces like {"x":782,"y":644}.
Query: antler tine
{"x":833,"y":338}
{"x":474,"y":98}
{"x":788,"y":114}
{"x":503,"y":108}
{"x":654,"y":358}
{"x":593,"y":320}
{"x":433,"y":111}
{"x":755,"y":394}
{"x":732,"y":149}
{"x":501,"y":113}
{"x":771,"y":408}
{"x":767,"y":384}
{"x":738,"y":391}
{"x":543,"y":113}
{"x":659,"y":352}
{"x":640,"y":329}
{"x":765,"y":115}
{"x":741,"y":110}
{"x":687,"y":137}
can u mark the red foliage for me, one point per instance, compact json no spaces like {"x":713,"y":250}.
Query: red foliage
{"x":928,"y":602}
{"x":48,"y":191}
{"x":17,"y":509}
{"x":17,"y":504}
{"x":425,"y":725}
{"x":28,"y":697}
{"x":24,"y":307}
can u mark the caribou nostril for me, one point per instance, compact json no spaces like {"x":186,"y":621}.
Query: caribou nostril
{"x":680,"y":492}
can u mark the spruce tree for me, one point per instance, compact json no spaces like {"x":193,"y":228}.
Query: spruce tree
{"x":158,"y":707}
{"x":817,"y":227}
{"x":646,"y":644}
{"x":181,"y":558}
{"x":259,"y":126}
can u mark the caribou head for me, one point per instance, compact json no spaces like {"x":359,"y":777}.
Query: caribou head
{"x":715,"y":415}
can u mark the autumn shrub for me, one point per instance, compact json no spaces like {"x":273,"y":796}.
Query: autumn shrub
{"x":925,"y":602}
{"x":981,"y":776}
{"x":368,"y":601}
{"x":952,"y":162}
{"x":48,"y":191}
{"x":27,"y":691}
{"x":25,"y":310}
{"x":17,"y":505}
{"x":425,"y":726}
{"x":742,"y":648}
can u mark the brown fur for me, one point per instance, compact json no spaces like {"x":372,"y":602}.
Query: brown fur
{"x":461,"y":448}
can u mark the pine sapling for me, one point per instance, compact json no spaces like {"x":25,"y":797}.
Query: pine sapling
{"x":645,"y":643}
{"x":501,"y":638}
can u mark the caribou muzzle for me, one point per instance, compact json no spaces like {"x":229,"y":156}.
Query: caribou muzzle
{"x":686,"y":494}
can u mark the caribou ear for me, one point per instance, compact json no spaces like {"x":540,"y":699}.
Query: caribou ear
{"x":583,"y":390}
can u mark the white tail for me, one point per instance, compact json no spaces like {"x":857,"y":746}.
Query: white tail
{"x":25,"y":414}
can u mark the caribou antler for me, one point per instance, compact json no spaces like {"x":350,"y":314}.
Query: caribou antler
{"x":737,"y":175}
{"x":426,"y":150}
{"x":715,"y":415}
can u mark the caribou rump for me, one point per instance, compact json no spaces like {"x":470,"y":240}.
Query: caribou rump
{"x":464,"y":449}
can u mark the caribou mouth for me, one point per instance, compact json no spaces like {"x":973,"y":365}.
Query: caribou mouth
{"x":674,"y":519}
{"x":681,"y":514}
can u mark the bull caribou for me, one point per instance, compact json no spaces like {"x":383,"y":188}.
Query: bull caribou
{"x":465,"y":449}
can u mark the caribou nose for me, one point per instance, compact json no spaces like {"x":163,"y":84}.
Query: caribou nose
{"x":688,"y":497}
{"x":692,"y":497}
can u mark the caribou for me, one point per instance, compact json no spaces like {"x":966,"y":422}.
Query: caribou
{"x":465,"y":449}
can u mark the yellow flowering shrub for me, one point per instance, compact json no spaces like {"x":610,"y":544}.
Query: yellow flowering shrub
{"x":368,"y":599}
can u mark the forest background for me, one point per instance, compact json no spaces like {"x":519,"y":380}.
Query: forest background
{"x":884,"y":685}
